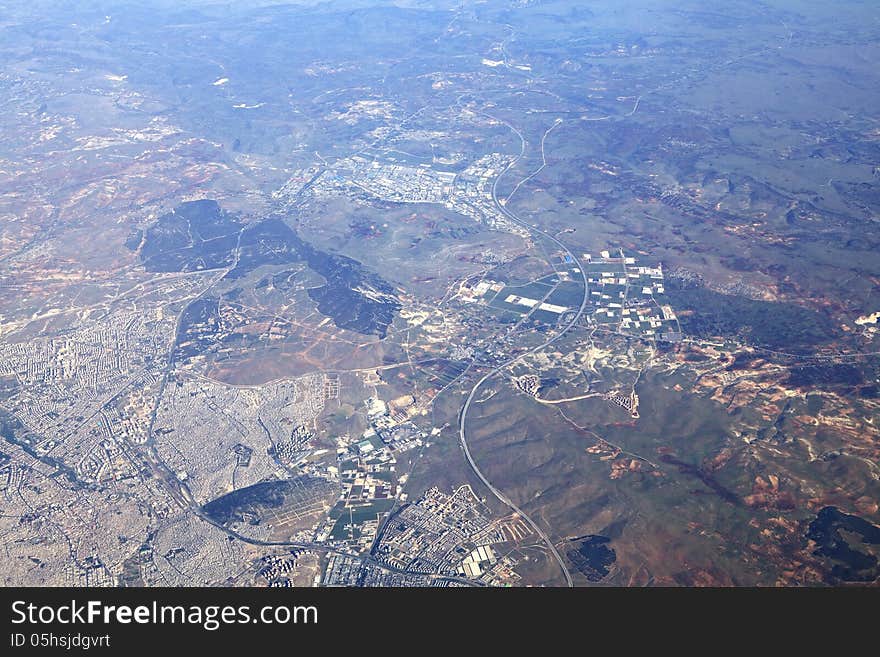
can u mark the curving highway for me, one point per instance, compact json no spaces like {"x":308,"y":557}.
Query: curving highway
{"x":462,"y":422}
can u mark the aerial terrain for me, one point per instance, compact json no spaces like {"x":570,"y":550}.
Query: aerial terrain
{"x":435,"y":293}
